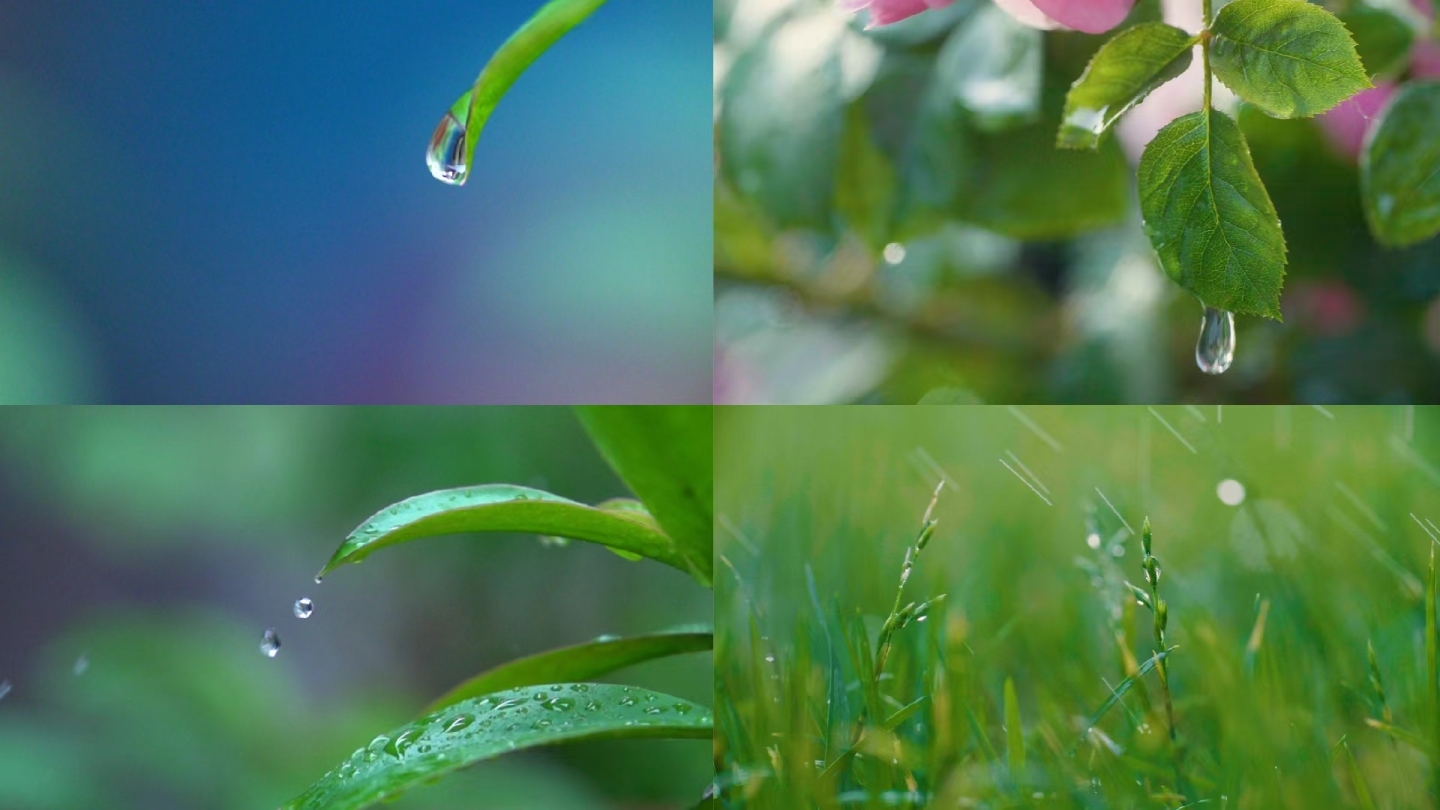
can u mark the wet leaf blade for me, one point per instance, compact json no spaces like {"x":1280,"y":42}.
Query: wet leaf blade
{"x":1121,"y":74}
{"x":581,"y":662}
{"x":1014,"y":734}
{"x":1119,"y":691}
{"x":505,"y":508}
{"x":1209,"y":217}
{"x":1290,"y":58}
{"x":1400,"y":167}
{"x":553,"y":21}
{"x":513,"y":720}
{"x":664,"y":456}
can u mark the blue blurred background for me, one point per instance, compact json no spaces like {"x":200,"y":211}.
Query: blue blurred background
{"x":145,"y":551}
{"x":228,"y":202}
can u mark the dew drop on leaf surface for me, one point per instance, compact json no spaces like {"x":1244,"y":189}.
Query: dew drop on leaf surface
{"x":446,"y":155}
{"x":1215,"y":348}
{"x":304,"y":607}
{"x":270,"y":643}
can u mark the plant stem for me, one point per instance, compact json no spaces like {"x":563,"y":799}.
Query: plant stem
{"x":1206,"y":17}
{"x":1160,"y":611}
{"x":898,"y":618}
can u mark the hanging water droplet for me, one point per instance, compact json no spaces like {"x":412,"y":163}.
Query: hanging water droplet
{"x":270,"y":643}
{"x":304,"y":607}
{"x":1216,"y":346}
{"x":317,"y":579}
{"x":446,"y":155}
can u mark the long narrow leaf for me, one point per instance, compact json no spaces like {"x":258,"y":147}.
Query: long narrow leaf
{"x":581,"y":662}
{"x":505,"y":508}
{"x":1119,"y":691}
{"x":553,"y":21}
{"x":482,"y":728}
{"x":1014,"y":734}
{"x":664,"y":454}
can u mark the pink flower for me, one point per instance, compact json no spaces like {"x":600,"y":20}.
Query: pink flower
{"x":1090,"y":16}
{"x":884,"y":12}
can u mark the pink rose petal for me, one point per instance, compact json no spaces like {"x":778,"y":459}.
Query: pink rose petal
{"x":884,"y":12}
{"x":1090,"y":16}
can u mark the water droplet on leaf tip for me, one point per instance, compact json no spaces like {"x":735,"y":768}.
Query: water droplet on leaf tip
{"x":446,"y":155}
{"x":304,"y":607}
{"x":1215,"y":348}
{"x":270,"y":643}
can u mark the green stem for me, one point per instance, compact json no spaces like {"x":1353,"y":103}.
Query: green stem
{"x":1206,"y":17}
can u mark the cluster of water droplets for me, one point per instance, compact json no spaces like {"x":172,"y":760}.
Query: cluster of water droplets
{"x":1215,"y":348}
{"x":270,"y":642}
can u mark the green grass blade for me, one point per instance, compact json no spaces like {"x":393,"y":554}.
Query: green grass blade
{"x":1362,"y":790}
{"x":483,"y":728}
{"x":664,"y":455}
{"x":1119,"y":691}
{"x":1398,"y":734}
{"x":552,"y":21}
{"x":581,"y":662}
{"x":904,"y":713}
{"x":1432,"y":665}
{"x":505,"y":508}
{"x":1014,"y":734}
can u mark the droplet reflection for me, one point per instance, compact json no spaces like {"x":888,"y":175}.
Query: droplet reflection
{"x":1215,"y":348}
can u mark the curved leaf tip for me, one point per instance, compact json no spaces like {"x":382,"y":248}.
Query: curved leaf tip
{"x":506,"y":508}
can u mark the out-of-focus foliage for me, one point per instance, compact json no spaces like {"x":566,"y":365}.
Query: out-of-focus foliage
{"x":894,"y":220}
{"x":146,"y":550}
{"x":1289,"y":543}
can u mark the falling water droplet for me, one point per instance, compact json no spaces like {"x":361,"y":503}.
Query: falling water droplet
{"x":304,"y":607}
{"x":1216,"y":346}
{"x":446,"y":155}
{"x":4,"y":689}
{"x":270,"y":644}
{"x":81,"y":664}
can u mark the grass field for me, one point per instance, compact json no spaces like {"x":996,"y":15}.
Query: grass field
{"x":1293,"y":569}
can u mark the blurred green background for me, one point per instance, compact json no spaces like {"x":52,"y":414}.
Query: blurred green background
{"x":145,"y":551}
{"x":893,"y":222}
{"x":815,"y":507}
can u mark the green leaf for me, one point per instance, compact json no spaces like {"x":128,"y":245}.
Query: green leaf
{"x":991,"y":65}
{"x":1400,"y":167}
{"x":1208,"y":216}
{"x":505,"y":508}
{"x":779,"y":132}
{"x":483,"y":728}
{"x":1124,"y":686}
{"x":1122,"y":73}
{"x":581,"y":662}
{"x":663,"y":453}
{"x":1382,"y":37}
{"x":1357,"y":780}
{"x":552,"y":21}
{"x":1014,"y":734}
{"x":1287,"y":57}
